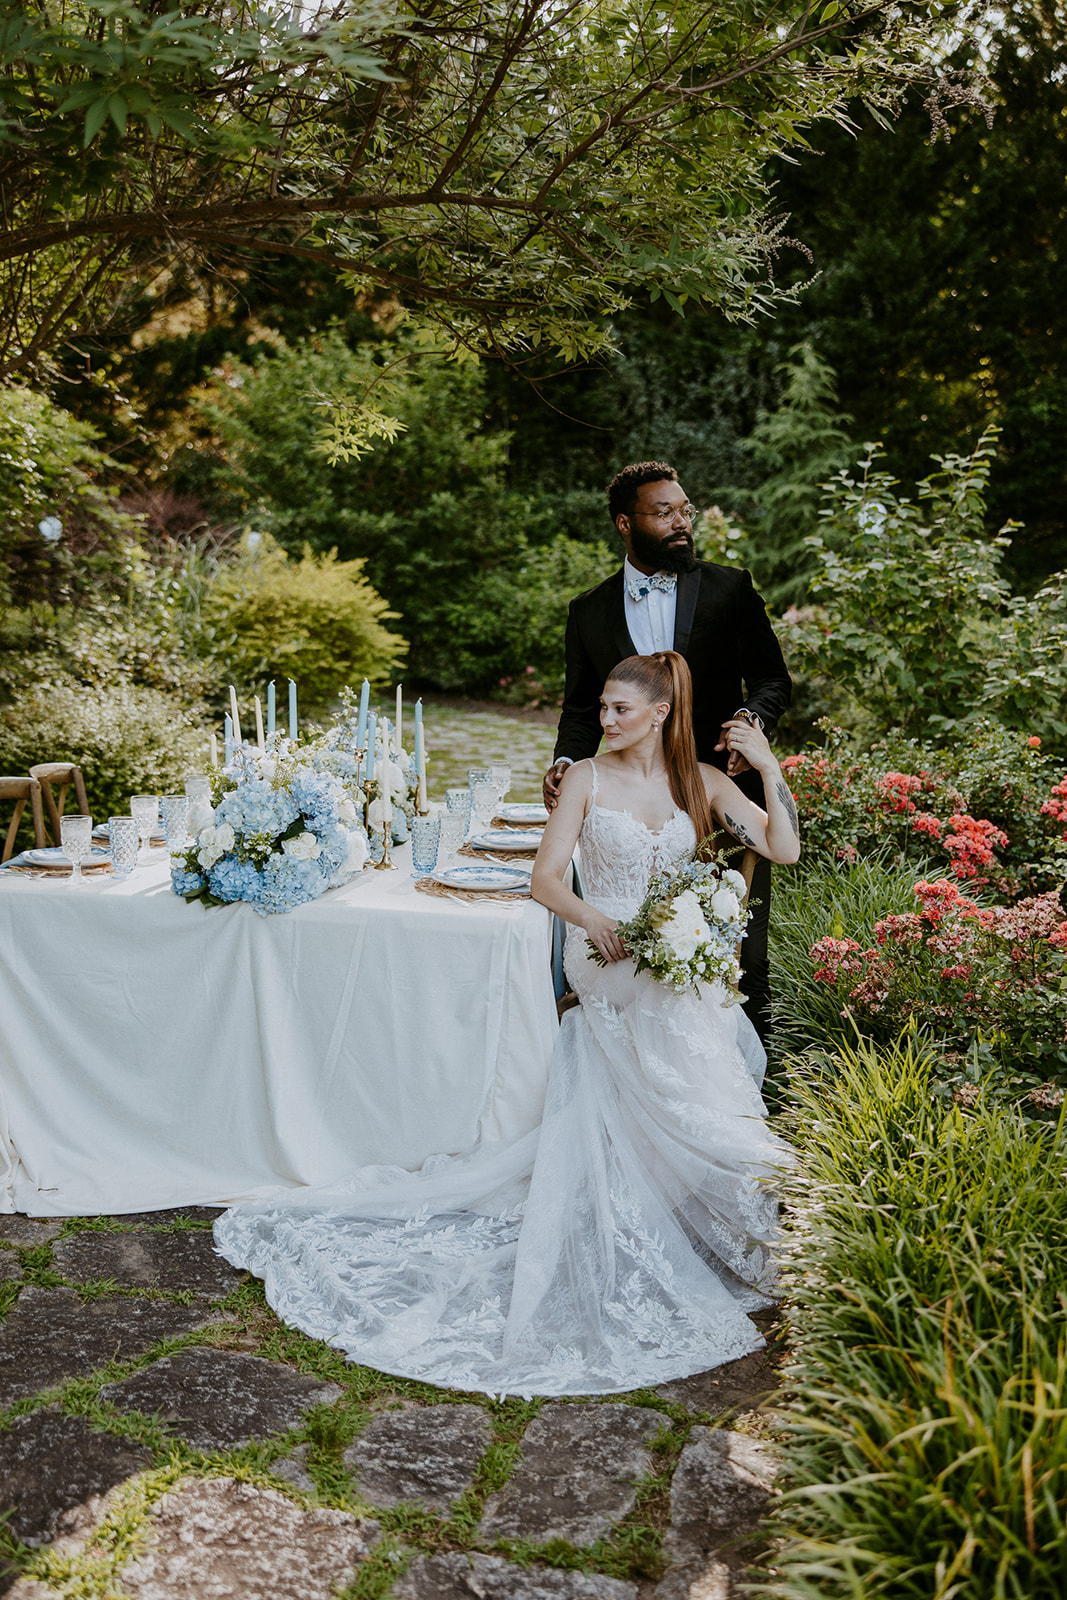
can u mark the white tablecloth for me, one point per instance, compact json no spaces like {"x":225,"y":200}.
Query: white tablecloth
{"x":154,"y":1053}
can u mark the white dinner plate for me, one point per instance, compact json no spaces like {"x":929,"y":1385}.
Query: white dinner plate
{"x":522,"y":813}
{"x":508,"y":839}
{"x":477,"y":876}
{"x":54,"y":857}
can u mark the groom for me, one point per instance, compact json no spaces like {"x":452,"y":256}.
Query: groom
{"x":663,"y":598}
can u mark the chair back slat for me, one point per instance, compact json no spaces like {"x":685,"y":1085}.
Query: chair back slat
{"x":62,"y":774}
{"x":21,"y":790}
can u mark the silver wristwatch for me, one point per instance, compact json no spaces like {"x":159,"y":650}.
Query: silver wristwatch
{"x":751,"y":717}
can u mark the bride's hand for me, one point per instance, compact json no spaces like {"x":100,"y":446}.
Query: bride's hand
{"x":601,"y":930}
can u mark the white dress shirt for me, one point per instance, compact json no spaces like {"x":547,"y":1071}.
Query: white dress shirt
{"x":650,"y":621}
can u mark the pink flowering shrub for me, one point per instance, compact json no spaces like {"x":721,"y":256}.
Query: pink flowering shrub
{"x":985,"y":977}
{"x":988,"y":808}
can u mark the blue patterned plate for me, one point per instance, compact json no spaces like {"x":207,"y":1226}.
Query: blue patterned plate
{"x":53,"y":857}
{"x":522,"y":813}
{"x":512,"y":880}
{"x":508,"y":839}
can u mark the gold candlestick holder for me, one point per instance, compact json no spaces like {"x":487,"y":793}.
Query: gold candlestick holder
{"x":386,"y":864}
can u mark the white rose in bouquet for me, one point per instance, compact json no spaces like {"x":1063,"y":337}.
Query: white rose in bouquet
{"x":725,"y":904}
{"x":685,"y":930}
{"x":209,"y":850}
{"x":733,"y":880}
{"x":225,"y":837}
{"x":305,"y":847}
{"x":376,"y":814}
{"x":398,"y":779}
{"x":346,"y":812}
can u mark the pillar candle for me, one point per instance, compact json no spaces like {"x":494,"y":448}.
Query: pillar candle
{"x":235,"y":719}
{"x":214,"y":751}
{"x":399,"y":714}
{"x":420,"y":764}
{"x":228,"y":739}
{"x":260,"y":740}
{"x":372,"y":739}
{"x":292,"y":709}
{"x":364,"y":707}
{"x":387,"y":794}
{"x":271,"y":709}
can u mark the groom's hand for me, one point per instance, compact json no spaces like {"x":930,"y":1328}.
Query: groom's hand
{"x":736,"y":763}
{"x":551,"y":782}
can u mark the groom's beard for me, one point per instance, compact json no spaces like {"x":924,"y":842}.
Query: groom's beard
{"x":662,"y":556}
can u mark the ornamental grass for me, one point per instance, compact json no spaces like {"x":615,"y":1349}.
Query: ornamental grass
{"x":926,"y":1398}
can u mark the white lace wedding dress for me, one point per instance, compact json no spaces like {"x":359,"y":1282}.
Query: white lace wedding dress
{"x":618,"y":1246}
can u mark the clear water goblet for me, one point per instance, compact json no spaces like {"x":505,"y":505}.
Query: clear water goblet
{"x":124,"y":839}
{"x":458,"y":802}
{"x":76,"y":841}
{"x":477,"y":775}
{"x":198,"y":794}
{"x":425,"y":843}
{"x":501,"y":777}
{"x":484,"y":796}
{"x":144,"y":809}
{"x":453,"y":831}
{"x":175,"y":809}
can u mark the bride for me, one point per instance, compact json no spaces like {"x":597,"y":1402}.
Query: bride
{"x":623,"y":1242}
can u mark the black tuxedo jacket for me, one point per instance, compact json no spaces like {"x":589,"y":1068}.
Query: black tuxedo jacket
{"x":721,"y":628}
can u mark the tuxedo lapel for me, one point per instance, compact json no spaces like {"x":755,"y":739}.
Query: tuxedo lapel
{"x":616,"y":618}
{"x":685,"y":611}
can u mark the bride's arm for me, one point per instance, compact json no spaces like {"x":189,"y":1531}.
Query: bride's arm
{"x":775,"y":833}
{"x":554,"y":857}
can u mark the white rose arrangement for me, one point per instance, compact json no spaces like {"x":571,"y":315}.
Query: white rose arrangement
{"x":689,"y":928}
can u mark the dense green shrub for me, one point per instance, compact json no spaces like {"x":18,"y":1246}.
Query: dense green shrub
{"x":316,"y":620}
{"x":917,"y":625}
{"x":52,"y":468}
{"x":512,"y":620}
{"x":445,"y":541}
{"x":926,"y":1395}
{"x":127,"y":740}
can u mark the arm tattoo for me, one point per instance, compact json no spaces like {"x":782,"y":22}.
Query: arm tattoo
{"x":738,"y":831}
{"x":789,"y":803}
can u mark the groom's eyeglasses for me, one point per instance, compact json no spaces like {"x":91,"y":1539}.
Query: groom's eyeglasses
{"x":668,"y":513}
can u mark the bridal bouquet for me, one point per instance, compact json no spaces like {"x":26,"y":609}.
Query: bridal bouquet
{"x":689,"y":927}
{"x":284,"y":830}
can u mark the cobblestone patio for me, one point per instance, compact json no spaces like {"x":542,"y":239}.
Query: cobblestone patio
{"x":166,"y":1438}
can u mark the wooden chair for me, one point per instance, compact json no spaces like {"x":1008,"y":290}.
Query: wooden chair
{"x":20,"y":790}
{"x":62,"y":774}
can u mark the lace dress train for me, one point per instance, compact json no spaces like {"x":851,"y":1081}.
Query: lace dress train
{"x":619,"y":1245}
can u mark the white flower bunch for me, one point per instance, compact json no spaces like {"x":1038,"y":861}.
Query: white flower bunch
{"x":689,"y":927}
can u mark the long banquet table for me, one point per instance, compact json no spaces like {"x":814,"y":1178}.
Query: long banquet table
{"x":156,"y":1054}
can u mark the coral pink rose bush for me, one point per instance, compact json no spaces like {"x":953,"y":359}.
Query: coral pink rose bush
{"x":973,"y":836}
{"x":989,"y":809}
{"x":989,"y":982}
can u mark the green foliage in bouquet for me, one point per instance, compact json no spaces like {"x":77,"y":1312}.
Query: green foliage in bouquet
{"x":126,"y":739}
{"x":925,"y":1402}
{"x":688,"y":928}
{"x":316,"y":620}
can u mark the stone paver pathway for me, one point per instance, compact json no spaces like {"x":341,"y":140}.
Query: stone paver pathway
{"x":164,"y":1437}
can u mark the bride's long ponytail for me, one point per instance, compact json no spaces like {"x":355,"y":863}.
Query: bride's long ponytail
{"x":666,"y":676}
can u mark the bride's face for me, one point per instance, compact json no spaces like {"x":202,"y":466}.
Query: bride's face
{"x":627,"y":718}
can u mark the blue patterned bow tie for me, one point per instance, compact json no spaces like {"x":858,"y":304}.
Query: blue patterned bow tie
{"x":639,"y":587}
